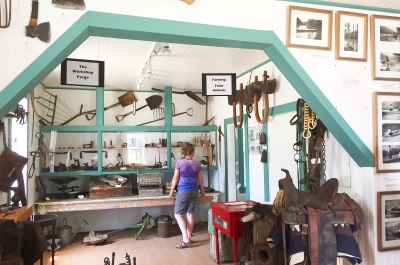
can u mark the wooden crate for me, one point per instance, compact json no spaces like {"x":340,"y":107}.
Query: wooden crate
{"x":100,"y":189}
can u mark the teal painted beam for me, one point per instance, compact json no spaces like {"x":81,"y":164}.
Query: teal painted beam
{"x":41,"y":67}
{"x":128,"y":128}
{"x":168,"y":105}
{"x":99,"y":151}
{"x":327,"y":3}
{"x":266,"y":165}
{"x":150,"y":29}
{"x":139,"y":28}
{"x":318,"y":102}
{"x":100,"y":107}
{"x":282,"y":109}
{"x":246,"y":155}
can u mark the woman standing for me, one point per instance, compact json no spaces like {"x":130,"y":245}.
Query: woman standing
{"x":189,"y":177}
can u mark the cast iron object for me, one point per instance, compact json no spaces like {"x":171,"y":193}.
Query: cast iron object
{"x":69,"y":4}
{"x":208,"y":188}
{"x":190,"y":94}
{"x":7,"y":13}
{"x":33,"y":30}
{"x":92,"y":152}
{"x":152,"y":101}
{"x":63,"y":180}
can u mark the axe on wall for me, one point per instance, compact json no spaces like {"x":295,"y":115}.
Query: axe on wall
{"x":69,"y":4}
{"x":33,"y":30}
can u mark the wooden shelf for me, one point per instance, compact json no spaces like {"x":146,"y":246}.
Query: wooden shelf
{"x":120,"y":148}
{"x":69,"y":205}
{"x":118,"y":172}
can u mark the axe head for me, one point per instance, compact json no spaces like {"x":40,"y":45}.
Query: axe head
{"x":69,"y":4}
{"x":42,"y":31}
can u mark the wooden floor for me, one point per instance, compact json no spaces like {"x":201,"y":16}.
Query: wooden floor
{"x":148,"y":250}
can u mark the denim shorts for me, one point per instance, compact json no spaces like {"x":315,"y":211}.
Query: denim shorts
{"x":186,"y":201}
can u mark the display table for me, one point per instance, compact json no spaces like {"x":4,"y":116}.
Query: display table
{"x":226,"y":218}
{"x":87,"y":204}
{"x":22,"y":213}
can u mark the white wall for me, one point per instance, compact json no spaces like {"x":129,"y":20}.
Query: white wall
{"x":354,"y":103}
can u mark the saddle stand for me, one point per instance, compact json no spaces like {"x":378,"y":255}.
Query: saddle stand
{"x":316,"y":216}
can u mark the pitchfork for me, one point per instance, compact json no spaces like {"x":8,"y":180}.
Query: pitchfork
{"x":189,"y":112}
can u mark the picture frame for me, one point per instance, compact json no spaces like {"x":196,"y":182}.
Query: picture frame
{"x":385,"y":41}
{"x":386,"y":128}
{"x":388,"y":209}
{"x":351,"y":30}
{"x":309,"y":28}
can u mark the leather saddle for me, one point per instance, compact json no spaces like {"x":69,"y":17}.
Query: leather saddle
{"x":317,"y":216}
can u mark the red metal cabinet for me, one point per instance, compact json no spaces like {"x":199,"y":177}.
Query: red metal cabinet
{"x":226,"y":218}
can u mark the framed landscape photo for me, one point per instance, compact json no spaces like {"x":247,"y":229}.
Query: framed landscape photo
{"x":309,"y":28}
{"x":351,"y":36}
{"x":388,"y":209}
{"x":385,"y":48}
{"x":386,"y":113}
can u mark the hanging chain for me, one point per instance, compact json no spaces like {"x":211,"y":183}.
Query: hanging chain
{"x":306,"y":121}
{"x":323,"y":158}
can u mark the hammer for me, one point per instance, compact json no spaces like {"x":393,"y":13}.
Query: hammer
{"x":42,"y":31}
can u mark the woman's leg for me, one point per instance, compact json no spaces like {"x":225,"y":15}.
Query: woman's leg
{"x":189,"y":225}
{"x":192,"y":204}
{"x":183,"y":228}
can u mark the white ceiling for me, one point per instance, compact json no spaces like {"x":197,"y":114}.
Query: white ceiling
{"x":124,"y":60}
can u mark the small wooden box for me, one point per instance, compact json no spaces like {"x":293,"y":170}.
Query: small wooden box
{"x":100,"y":189}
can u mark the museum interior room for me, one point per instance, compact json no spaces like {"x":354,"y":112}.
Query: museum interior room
{"x":288,"y":112}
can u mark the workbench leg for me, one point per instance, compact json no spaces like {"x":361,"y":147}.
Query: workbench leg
{"x":235,"y":241}
{"x":216,"y":245}
{"x":53,"y":244}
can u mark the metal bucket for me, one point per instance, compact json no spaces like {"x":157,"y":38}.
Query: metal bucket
{"x":164,"y":224}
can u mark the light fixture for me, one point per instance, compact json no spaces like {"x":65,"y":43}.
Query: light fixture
{"x":166,"y":51}
{"x":160,"y":48}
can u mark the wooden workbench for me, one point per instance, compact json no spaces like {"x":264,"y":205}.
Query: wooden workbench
{"x":22,"y":213}
{"x":87,"y":204}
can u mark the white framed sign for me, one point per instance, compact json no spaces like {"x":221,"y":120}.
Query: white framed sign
{"x":218,"y":84}
{"x":82,"y":73}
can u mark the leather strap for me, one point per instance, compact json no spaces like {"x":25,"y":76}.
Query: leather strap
{"x":313,"y":235}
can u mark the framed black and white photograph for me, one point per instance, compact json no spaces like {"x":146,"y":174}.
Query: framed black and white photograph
{"x":309,"y":28}
{"x":388,"y":209}
{"x":386,"y":113}
{"x":351,"y":36}
{"x":385,"y":41}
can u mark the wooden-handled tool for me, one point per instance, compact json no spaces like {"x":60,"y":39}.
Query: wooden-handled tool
{"x":219,"y":143}
{"x":152,"y":101}
{"x":33,"y":30}
{"x":124,"y":100}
